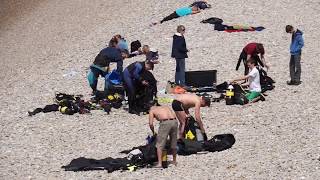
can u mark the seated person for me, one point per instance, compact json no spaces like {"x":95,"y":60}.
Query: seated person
{"x":181,"y":106}
{"x":184,"y":11}
{"x":254,"y":80}
{"x":131,"y":77}
{"x":168,"y":126}
{"x":102,"y":62}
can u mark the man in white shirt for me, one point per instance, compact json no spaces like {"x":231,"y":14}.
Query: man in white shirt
{"x":254,"y":80}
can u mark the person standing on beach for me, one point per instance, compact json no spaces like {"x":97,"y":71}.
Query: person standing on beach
{"x":296,"y":45}
{"x":179,"y":52}
{"x":252,"y":50}
{"x":168,"y":126}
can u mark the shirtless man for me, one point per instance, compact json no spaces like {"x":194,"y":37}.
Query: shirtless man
{"x":181,"y":106}
{"x":168,"y":126}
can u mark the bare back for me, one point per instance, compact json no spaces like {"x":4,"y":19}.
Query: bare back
{"x":162,"y":112}
{"x":188,"y":100}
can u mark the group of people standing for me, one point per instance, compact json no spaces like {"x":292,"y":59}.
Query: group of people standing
{"x":173,"y":120}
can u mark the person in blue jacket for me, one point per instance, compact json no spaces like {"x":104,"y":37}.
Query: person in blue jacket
{"x":183,"y":11}
{"x":179,"y":52}
{"x":101,"y":64}
{"x":296,"y":45}
{"x":132,"y":76}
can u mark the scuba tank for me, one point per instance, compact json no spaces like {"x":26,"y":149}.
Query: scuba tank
{"x":230,"y":95}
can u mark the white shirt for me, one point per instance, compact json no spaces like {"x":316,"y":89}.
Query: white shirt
{"x":254,"y":80}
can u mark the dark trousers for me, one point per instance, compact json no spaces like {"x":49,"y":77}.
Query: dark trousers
{"x":170,"y":17}
{"x":180,"y":71}
{"x":295,"y":67}
{"x":243,"y":57}
{"x":130,"y":89}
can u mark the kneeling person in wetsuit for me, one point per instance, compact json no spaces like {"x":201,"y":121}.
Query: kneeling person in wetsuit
{"x":181,"y":106}
{"x":168,"y":127}
{"x":101,"y":64}
{"x":131,"y":76}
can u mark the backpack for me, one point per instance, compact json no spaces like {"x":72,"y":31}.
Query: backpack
{"x":266,"y":82}
{"x":192,"y":130}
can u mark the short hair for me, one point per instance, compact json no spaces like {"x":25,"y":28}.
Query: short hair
{"x":260,"y":48}
{"x":289,"y":28}
{"x":180,"y":28}
{"x":207,"y":100}
{"x":252,"y":61}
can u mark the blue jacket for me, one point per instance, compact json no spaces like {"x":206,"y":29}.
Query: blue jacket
{"x":179,"y":48}
{"x":296,"y":43}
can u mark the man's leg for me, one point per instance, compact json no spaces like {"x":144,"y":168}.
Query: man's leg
{"x":173,"y":140}
{"x":292,"y":68}
{"x":170,"y":17}
{"x":297,"y":64}
{"x":130,"y":89}
{"x":161,"y":140}
{"x":93,"y":78}
{"x":180,"y":72}
{"x":181,"y":115}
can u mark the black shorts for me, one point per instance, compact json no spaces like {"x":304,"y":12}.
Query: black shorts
{"x":177,"y":105}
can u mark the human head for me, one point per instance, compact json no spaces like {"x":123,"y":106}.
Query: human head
{"x":124,"y":53}
{"x":117,"y":37}
{"x":145,"y":49}
{"x":205,"y":101}
{"x":260,"y":48}
{"x":195,"y":8}
{"x":251,"y":63}
{"x":289,"y":29}
{"x":181,"y":29}
{"x":148,"y":65}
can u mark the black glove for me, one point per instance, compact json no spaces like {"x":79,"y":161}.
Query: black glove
{"x":205,"y":138}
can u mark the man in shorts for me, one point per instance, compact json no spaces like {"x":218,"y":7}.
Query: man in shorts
{"x":168,"y":127}
{"x":254,"y":80}
{"x":181,"y":106}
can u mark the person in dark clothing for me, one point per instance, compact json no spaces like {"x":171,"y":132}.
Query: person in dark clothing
{"x":296,"y":45}
{"x":179,"y":52}
{"x":132,"y":76}
{"x":252,"y":50}
{"x":184,"y":11}
{"x":101,"y":64}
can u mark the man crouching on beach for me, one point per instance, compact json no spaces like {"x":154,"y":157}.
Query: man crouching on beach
{"x":168,"y":126}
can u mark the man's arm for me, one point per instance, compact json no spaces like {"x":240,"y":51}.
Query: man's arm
{"x":151,"y":117}
{"x":241,"y":78}
{"x":198,"y":117}
{"x":137,"y":70}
